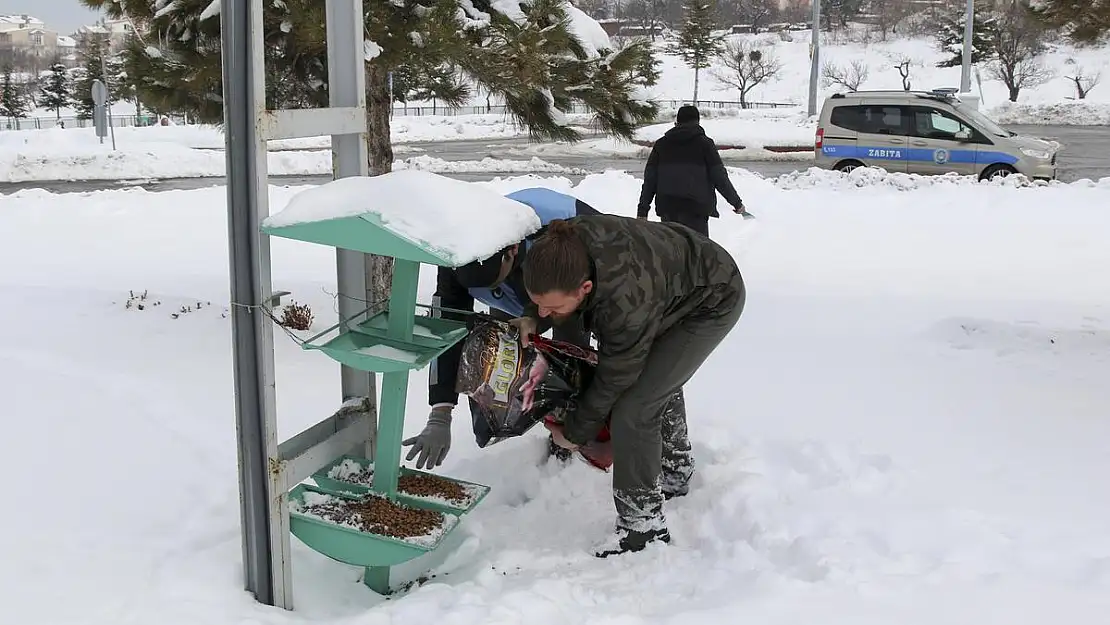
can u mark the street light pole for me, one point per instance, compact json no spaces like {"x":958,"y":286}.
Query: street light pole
{"x":815,"y":53}
{"x":969,"y":29}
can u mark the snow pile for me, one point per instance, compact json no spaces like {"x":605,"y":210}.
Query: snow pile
{"x":907,"y":425}
{"x":463,"y":222}
{"x":795,"y":132}
{"x":174,"y":161}
{"x":816,"y":178}
{"x":1074,"y":113}
{"x":486,"y":165}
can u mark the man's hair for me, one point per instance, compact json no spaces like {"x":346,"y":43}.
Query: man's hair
{"x":557,"y":261}
{"x":687,"y":113}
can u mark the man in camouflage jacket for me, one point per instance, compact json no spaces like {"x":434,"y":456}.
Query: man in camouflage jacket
{"x":663,"y":298}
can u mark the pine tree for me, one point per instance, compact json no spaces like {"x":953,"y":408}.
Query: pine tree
{"x":92,"y":68}
{"x":697,"y":44}
{"x":13,"y":101}
{"x":55,"y":90}
{"x":539,"y":57}
{"x":950,"y":38}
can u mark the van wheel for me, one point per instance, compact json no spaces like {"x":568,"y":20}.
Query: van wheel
{"x":847,"y":166}
{"x":996,"y":171}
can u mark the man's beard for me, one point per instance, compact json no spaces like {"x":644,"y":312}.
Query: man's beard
{"x":560,"y":319}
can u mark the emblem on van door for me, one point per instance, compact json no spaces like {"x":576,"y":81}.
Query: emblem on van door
{"x":940,"y":157}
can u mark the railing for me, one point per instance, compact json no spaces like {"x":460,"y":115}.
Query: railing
{"x":69,"y":121}
{"x":125,"y":121}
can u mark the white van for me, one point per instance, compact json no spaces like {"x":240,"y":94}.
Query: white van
{"x":924,"y":132}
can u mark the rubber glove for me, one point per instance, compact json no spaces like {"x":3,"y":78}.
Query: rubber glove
{"x":433,"y":442}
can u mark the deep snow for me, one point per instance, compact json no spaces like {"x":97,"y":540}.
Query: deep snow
{"x":907,"y":425}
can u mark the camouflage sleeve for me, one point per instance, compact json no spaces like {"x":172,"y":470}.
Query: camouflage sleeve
{"x":624,"y":347}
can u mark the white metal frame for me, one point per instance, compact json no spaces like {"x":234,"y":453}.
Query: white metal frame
{"x":267,"y":469}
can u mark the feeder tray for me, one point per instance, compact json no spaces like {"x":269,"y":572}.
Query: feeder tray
{"x":368,"y":346}
{"x":343,"y":487}
{"x":351,"y":546}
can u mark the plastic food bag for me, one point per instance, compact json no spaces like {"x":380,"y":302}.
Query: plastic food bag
{"x":511,"y":388}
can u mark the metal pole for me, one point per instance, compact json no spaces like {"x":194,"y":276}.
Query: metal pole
{"x":347,"y":88}
{"x":815,"y":54}
{"x":248,"y":324}
{"x":108,"y":88}
{"x":969,"y":30}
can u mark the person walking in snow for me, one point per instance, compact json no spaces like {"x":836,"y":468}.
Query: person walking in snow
{"x":498,"y":283}
{"x":683,"y":174}
{"x":659,"y":297}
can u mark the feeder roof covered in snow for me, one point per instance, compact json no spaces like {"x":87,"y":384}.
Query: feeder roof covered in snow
{"x":411,"y":215}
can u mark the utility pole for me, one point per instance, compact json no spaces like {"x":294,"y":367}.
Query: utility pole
{"x":969,"y":29}
{"x":814,"y":57}
{"x":104,"y":74}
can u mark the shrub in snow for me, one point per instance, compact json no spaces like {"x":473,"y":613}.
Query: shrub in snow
{"x":296,"y":317}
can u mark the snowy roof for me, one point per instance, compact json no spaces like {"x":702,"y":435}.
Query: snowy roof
{"x":66,"y":42}
{"x":21,"y":19}
{"x":408,"y":214}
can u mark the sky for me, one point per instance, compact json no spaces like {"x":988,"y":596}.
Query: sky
{"x":63,"y":16}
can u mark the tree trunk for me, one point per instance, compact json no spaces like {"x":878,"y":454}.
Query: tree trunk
{"x":696,"y":72}
{"x":379,"y":149}
{"x":1014,"y":93}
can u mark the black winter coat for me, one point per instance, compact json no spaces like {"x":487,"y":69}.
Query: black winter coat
{"x":683,"y":174}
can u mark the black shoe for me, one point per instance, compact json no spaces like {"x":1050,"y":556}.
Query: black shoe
{"x":678,"y":492}
{"x":627,"y":541}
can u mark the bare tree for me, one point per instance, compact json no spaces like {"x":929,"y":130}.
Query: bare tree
{"x":852,"y":76}
{"x":755,"y":14}
{"x":903,"y":68}
{"x":746,"y":66}
{"x":1017,"y":43}
{"x":888,"y":13}
{"x":1083,"y":82}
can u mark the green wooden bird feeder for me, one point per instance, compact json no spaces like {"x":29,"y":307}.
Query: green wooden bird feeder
{"x":414,"y":217}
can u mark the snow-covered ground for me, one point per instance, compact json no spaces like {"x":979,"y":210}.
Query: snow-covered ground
{"x":881,"y":58}
{"x":907,"y":426}
{"x":751,"y":129}
{"x":168,"y":160}
{"x":173,"y":151}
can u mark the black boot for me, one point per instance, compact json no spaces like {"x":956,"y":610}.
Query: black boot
{"x":628,"y":541}
{"x":560,"y":454}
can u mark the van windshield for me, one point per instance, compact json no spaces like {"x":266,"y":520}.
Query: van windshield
{"x":983,"y":121}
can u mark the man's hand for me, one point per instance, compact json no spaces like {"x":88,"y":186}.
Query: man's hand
{"x":739,"y":209}
{"x":433,"y":442}
{"x":527,"y":326}
{"x":557,"y":435}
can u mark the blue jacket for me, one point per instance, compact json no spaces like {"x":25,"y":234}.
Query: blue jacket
{"x":506,"y":297}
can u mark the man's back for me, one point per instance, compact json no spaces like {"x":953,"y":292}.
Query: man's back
{"x":683,"y":175}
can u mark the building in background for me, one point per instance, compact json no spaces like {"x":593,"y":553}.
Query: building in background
{"x":26,"y":44}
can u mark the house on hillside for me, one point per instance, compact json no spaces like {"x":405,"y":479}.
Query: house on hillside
{"x":115,"y":31}
{"x":26,"y":43}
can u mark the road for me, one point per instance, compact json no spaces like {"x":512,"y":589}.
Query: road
{"x":1085,"y":154}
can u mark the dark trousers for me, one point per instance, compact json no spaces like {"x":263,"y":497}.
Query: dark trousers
{"x":694,"y":222}
{"x":650,"y":444}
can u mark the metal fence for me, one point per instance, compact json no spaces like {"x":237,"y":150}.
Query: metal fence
{"x":125,"y":121}
{"x":69,"y":121}
{"x":576,"y":109}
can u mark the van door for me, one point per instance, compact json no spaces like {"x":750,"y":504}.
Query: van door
{"x":941,"y":142}
{"x":883,"y":130}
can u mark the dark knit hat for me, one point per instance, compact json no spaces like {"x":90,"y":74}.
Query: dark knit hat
{"x":688,"y":113}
